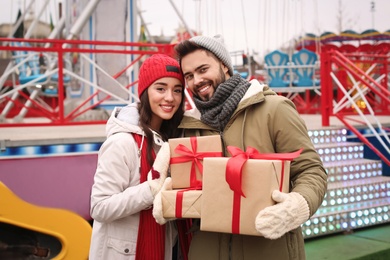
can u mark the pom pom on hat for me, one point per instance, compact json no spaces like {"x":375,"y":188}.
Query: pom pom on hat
{"x":217,"y":46}
{"x":156,"y":67}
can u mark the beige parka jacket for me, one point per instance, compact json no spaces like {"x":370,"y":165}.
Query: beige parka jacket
{"x":269,"y":123}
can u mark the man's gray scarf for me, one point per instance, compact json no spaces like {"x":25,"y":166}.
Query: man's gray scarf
{"x":217,"y":111}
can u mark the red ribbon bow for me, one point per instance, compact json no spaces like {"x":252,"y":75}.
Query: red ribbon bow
{"x":234,"y":175}
{"x":238,"y":159}
{"x":194,"y":157}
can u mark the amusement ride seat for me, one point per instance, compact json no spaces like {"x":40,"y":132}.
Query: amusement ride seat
{"x":277,"y":68}
{"x":304,"y":68}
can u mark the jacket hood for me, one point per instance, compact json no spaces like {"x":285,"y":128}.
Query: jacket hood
{"x":124,"y":120}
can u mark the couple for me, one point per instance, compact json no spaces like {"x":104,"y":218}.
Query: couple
{"x":130,"y":175}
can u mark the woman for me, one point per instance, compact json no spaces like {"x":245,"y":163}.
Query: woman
{"x":125,"y":184}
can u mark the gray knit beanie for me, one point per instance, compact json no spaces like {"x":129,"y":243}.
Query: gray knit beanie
{"x":217,"y":47}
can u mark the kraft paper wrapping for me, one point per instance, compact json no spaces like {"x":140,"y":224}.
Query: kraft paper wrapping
{"x":259,"y":179}
{"x":191,"y":204}
{"x":186,"y":172}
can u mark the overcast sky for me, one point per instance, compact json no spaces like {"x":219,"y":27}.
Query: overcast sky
{"x":251,"y":25}
{"x":266,"y":24}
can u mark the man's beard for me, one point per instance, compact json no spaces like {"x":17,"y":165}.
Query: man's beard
{"x":221,"y":78}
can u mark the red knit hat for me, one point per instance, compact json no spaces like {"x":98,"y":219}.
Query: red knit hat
{"x":156,"y":67}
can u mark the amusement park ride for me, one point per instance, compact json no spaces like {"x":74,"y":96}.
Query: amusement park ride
{"x":69,"y":81}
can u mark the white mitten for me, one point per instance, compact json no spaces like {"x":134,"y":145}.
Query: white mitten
{"x":157,"y":203}
{"x":290,"y":211}
{"x":159,"y":171}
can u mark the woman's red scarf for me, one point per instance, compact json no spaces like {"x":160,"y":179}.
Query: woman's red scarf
{"x":151,"y":235}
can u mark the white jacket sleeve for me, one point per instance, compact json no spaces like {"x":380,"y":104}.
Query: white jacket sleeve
{"x":116,"y":191}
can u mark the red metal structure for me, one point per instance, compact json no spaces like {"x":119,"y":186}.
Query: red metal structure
{"x":58,"y":50}
{"x":356,"y":84}
{"x":353,"y":83}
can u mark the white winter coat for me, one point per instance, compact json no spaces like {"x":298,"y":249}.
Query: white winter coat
{"x":117,"y":197}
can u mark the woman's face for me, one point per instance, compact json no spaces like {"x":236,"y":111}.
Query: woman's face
{"x":165,"y":96}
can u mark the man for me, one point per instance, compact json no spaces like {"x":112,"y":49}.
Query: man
{"x":250,"y":114}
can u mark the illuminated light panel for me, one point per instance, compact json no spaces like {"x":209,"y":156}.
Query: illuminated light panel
{"x":346,"y":218}
{"x":322,"y":136}
{"x":359,"y":190}
{"x":48,"y":150}
{"x":348,"y":150}
{"x":361,"y":168}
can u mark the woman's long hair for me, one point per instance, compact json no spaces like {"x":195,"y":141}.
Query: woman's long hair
{"x":168,"y":129}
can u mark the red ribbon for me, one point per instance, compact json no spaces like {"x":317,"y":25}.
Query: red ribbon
{"x":234,"y":175}
{"x":194,"y":157}
{"x":179,"y":201}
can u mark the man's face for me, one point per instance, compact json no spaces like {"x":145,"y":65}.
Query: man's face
{"x":203,"y":73}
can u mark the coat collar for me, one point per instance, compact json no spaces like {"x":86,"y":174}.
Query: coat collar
{"x":255,"y":94}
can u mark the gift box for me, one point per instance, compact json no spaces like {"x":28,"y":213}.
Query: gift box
{"x":181,"y":203}
{"x":187,"y":155}
{"x":236,"y":189}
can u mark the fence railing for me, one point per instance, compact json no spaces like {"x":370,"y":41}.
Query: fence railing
{"x":357,"y":84}
{"x":73,"y":81}
{"x":77,"y":83}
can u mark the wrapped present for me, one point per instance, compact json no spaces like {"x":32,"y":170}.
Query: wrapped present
{"x":187,"y":159}
{"x":235,"y":189}
{"x":183,"y":203}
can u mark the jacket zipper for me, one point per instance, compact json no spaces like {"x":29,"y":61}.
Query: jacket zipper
{"x":223,"y":143}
